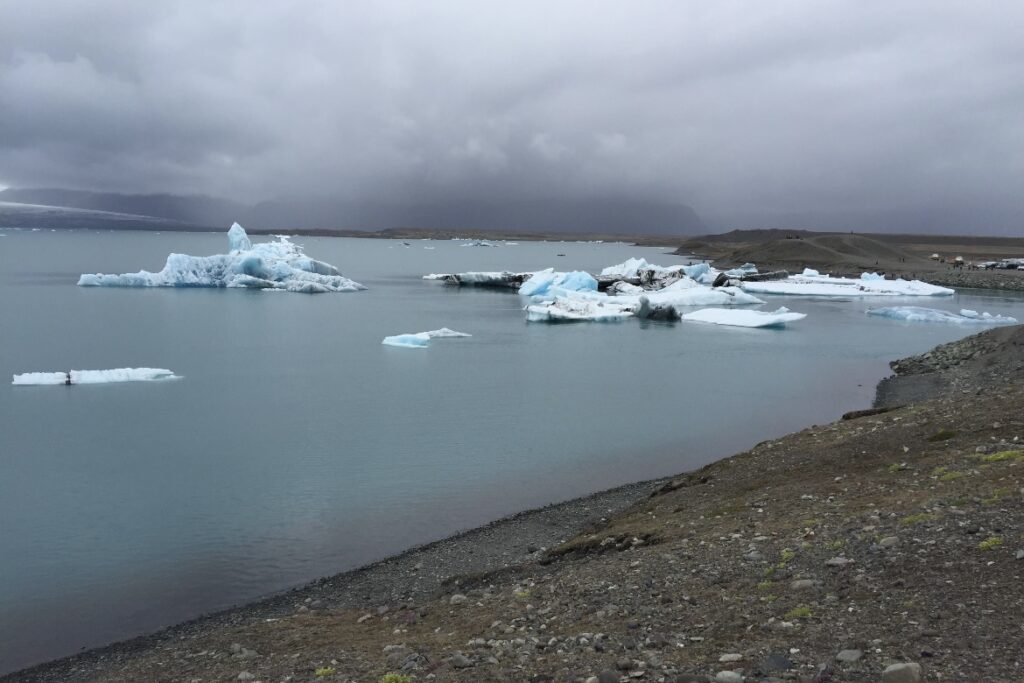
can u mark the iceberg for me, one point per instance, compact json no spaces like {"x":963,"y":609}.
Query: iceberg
{"x":810,"y":283}
{"x":573,"y":309}
{"x":94,"y":376}
{"x":542,"y":282}
{"x":744,"y":318}
{"x":918,"y":314}
{"x":278,"y":265}
{"x":420,"y":340}
{"x":502,"y":279}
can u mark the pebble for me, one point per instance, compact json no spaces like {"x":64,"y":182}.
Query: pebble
{"x":245,"y":676}
{"x":1020,"y":554}
{"x":608,"y":676}
{"x":888,"y":542}
{"x":728,"y":677}
{"x":457,"y":599}
{"x":905,"y":672}
{"x":731,"y":657}
{"x":838,"y":562}
{"x":804,"y":584}
{"x":849,"y":656}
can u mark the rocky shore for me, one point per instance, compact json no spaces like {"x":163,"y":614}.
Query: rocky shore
{"x":887,"y":546}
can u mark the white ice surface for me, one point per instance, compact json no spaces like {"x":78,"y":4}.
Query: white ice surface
{"x":269,"y":265}
{"x":810,"y":284}
{"x":919,"y":314}
{"x":544,"y":281}
{"x":578,"y":309}
{"x":744,"y":318}
{"x":420,"y":340}
{"x":95,"y":376}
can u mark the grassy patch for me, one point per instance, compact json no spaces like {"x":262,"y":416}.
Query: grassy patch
{"x":917,"y":519}
{"x":324,"y":671}
{"x":951,"y":476}
{"x":788,"y":554}
{"x":765,"y":585}
{"x":1003,"y":456}
{"x":997,"y":495}
{"x":991,"y":543}
{"x":836,"y":544}
{"x":799,"y":612}
{"x":395,"y":678}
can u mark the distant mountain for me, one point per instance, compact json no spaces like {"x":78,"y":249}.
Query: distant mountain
{"x":604,"y":216}
{"x":29,"y":216}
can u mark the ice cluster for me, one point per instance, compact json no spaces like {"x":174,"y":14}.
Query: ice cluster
{"x":812,"y":283}
{"x":278,"y":265}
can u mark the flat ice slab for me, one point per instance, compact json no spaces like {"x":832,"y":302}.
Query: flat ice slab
{"x":94,"y":376}
{"x":277,"y":265}
{"x":744,"y":318}
{"x":421,"y":340}
{"x":569,"y":310}
{"x":918,"y":314}
{"x":810,"y":283}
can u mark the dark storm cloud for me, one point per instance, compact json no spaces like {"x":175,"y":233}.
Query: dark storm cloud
{"x":753,"y":112}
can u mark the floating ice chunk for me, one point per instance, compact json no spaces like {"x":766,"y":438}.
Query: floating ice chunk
{"x":268,"y":265}
{"x":696,"y":270}
{"x":445,"y":332}
{"x":919,"y":314}
{"x":237,"y":239}
{"x":871,"y":276}
{"x":565,"y":309}
{"x":810,"y":272}
{"x":628,"y":268}
{"x":94,"y":376}
{"x":410,"y":341}
{"x":577,"y":281}
{"x":502,"y":279}
{"x":421,"y":340}
{"x":744,"y":318}
{"x":822,"y":285}
{"x":539,"y":282}
{"x":686,"y":292}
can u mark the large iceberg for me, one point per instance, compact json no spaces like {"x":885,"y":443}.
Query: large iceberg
{"x":919,"y":314}
{"x":420,"y":340}
{"x":94,"y":376}
{"x":544,"y":281}
{"x":744,"y":318}
{"x":278,"y":265}
{"x":811,"y":283}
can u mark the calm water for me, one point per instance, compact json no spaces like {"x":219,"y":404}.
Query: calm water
{"x":296,"y":445}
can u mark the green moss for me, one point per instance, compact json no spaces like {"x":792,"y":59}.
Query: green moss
{"x":991,"y":543}
{"x":324,"y":671}
{"x":765,"y":585}
{"x":939,"y":471}
{"x":836,"y":544}
{"x":1003,"y":456}
{"x":788,"y":554}
{"x":951,"y":476}
{"x":799,"y":612}
{"x":996,"y":496}
{"x":395,"y":678}
{"x":897,"y":467}
{"x":770,"y":598}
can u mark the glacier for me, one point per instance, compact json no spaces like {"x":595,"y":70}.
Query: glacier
{"x":420,"y":340}
{"x":278,"y":265}
{"x":744,"y":318}
{"x":919,"y":314}
{"x":94,"y":376}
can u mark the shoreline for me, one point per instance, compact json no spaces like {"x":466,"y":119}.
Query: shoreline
{"x":410,"y":575}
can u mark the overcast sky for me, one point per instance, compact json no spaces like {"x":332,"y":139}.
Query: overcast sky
{"x":742,"y":109}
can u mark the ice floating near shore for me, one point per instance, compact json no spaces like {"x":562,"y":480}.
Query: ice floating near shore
{"x":94,"y":376}
{"x":499,"y":279}
{"x":811,"y":283}
{"x":918,"y":314}
{"x":744,"y":318}
{"x":278,"y":265}
{"x":421,"y":340}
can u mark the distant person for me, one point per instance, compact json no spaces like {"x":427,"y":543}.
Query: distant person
{"x":68,"y":380}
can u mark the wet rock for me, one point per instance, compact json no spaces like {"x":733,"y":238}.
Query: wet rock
{"x":904,"y":672}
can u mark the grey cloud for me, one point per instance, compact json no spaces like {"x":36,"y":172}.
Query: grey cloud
{"x":750,"y":112}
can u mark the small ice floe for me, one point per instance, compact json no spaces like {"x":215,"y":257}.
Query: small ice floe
{"x":94,"y":376}
{"x":497,"y":279}
{"x":478,"y":243}
{"x":278,"y":265}
{"x":421,"y":340}
{"x":744,"y":318}
{"x":918,"y":314}
{"x":812,"y":283}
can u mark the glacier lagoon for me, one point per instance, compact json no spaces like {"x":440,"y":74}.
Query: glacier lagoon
{"x":296,"y":445}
